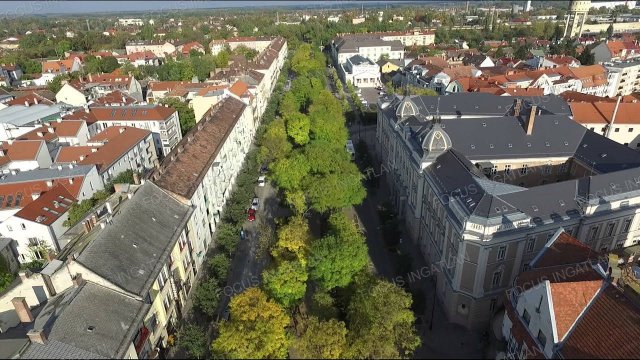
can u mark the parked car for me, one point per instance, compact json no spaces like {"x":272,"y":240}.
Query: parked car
{"x":255,"y":203}
{"x":264,"y":169}
{"x":252,"y":215}
{"x":262,"y":180}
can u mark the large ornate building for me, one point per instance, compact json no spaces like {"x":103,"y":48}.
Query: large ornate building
{"x":484,"y":181}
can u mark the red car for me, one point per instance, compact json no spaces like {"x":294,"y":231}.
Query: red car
{"x":252,"y":214}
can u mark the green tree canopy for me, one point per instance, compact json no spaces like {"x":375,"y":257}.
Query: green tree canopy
{"x":336,"y":190}
{"x":298,"y":127}
{"x":321,"y":340}
{"x":274,"y":144}
{"x":256,"y":328}
{"x":290,"y":171}
{"x":339,"y":256}
{"x":325,"y":156}
{"x":193,"y":339}
{"x":293,"y":241}
{"x":380,"y":320}
{"x":206,"y":296}
{"x":286,"y":282}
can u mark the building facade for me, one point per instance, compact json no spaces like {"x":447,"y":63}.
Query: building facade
{"x":483,"y":182}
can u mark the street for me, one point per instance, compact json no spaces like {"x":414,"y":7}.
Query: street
{"x":443,"y":339}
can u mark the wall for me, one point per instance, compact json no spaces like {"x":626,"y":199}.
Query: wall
{"x":70,"y":95}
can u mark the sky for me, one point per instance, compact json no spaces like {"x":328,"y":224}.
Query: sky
{"x":70,"y":7}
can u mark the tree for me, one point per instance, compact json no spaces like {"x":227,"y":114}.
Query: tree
{"x":325,"y":156}
{"x":256,"y":328}
{"x":227,"y":237}
{"x":274,"y":144}
{"x":298,"y":127}
{"x":305,"y":59}
{"x":109,"y":64}
{"x":206,"y":296}
{"x":219,"y":266}
{"x":288,"y":104}
{"x":414,"y":90}
{"x":193,"y":339}
{"x":185,"y":113}
{"x":522,"y":52}
{"x":323,"y":305}
{"x":321,"y":340}
{"x":380,"y":320}
{"x":339,"y":256}
{"x":296,"y":200}
{"x":586,"y":57}
{"x":336,"y":190}
{"x":293,"y":240}
{"x":286,"y":282}
{"x":610,"y":31}
{"x":56,"y":84}
{"x":289,"y":172}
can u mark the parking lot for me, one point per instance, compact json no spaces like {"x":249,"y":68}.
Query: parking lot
{"x":370,"y":95}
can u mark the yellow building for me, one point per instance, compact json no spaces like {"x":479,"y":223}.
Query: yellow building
{"x":389,"y":66}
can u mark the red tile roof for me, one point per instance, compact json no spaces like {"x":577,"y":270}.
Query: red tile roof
{"x":56,"y":66}
{"x":569,"y":301}
{"x":21,"y":150}
{"x":239,"y":89}
{"x":24,"y":190}
{"x":608,"y":330}
{"x":115,"y":97}
{"x":186,"y":48}
{"x":564,"y":250}
{"x":602,"y":112}
{"x":122,"y":113}
{"x":48,"y":208}
{"x":117,"y":142}
{"x":30,"y":99}
{"x":185,"y":166}
{"x":53,"y":130}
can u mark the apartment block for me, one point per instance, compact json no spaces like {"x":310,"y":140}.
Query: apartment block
{"x":482,"y":182}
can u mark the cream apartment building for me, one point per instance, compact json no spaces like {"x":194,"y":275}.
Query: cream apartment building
{"x":624,"y":77}
{"x":483,"y":182}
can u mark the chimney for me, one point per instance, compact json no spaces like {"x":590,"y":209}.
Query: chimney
{"x":49,"y":183}
{"x":40,"y":133}
{"x":109,"y":209}
{"x":122,"y":130}
{"x":26,"y":103}
{"x":77,"y":280}
{"x":517,"y":107}
{"x":136,"y":178}
{"x":22,"y":309}
{"x":90,"y":78}
{"x":51,"y":130}
{"x":37,"y":336}
{"x":24,"y":275}
{"x":35,"y":195}
{"x":531,"y":119}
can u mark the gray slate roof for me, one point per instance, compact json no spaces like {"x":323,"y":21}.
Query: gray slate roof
{"x":351,"y":43}
{"x":45,"y":174}
{"x":131,"y":251}
{"x":66,"y":319}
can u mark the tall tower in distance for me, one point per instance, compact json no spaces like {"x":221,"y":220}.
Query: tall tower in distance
{"x":527,"y":6}
{"x":577,"y":15}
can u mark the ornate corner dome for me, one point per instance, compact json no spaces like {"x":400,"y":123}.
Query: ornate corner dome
{"x":435,"y":142}
{"x":406,"y":108}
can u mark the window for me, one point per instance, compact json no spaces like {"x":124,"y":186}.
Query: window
{"x":547,"y":169}
{"x":610,"y":229}
{"x":549,"y":235}
{"x":617,"y":130}
{"x":593,"y":233}
{"x":496,"y":279}
{"x":542,"y":338}
{"x":630,"y":129}
{"x":626,"y":226}
{"x":531,"y":244}
{"x":526,"y":317}
{"x":525,"y":267}
{"x":492,"y":304}
{"x":507,"y":169}
{"x":502,"y":251}
{"x":494,"y":169}
{"x":524,"y":170}
{"x":23,"y":226}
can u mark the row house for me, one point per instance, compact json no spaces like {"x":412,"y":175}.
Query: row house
{"x":10,"y":74}
{"x":561,"y":306}
{"x":624,"y":77}
{"x":201,"y":171}
{"x":60,"y":67}
{"x":369,"y":46}
{"x":142,"y":58}
{"x":159,"y":48}
{"x":162,"y":121}
{"x":185,"y":49}
{"x":608,"y":51}
{"x":553,"y":61}
{"x":184,"y":90}
{"x":258,"y":43}
{"x":618,"y":122}
{"x":206,"y":98}
{"x":58,"y":133}
{"x":24,"y":155}
{"x":81,"y":92}
{"x":29,"y":99}
{"x":408,"y":38}
{"x":114,"y":98}
{"x":482,"y":182}
{"x":113,"y":151}
{"x":34,"y":206}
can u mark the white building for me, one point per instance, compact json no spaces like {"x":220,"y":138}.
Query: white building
{"x":128,"y":22}
{"x":24,"y":155}
{"x":162,"y":121}
{"x":361,"y":72}
{"x":258,"y":43}
{"x":205,"y":182}
{"x":113,"y":151}
{"x":623,"y":77}
{"x":368,"y":46}
{"x":159,"y":48}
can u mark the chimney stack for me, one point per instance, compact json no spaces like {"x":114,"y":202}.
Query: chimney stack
{"x":517,"y":107}
{"x":531,"y":119}
{"x":22,"y":309}
{"x":37,"y":336}
{"x":77,"y":280}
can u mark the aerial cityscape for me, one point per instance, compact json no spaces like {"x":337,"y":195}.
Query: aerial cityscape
{"x":321,"y":179}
